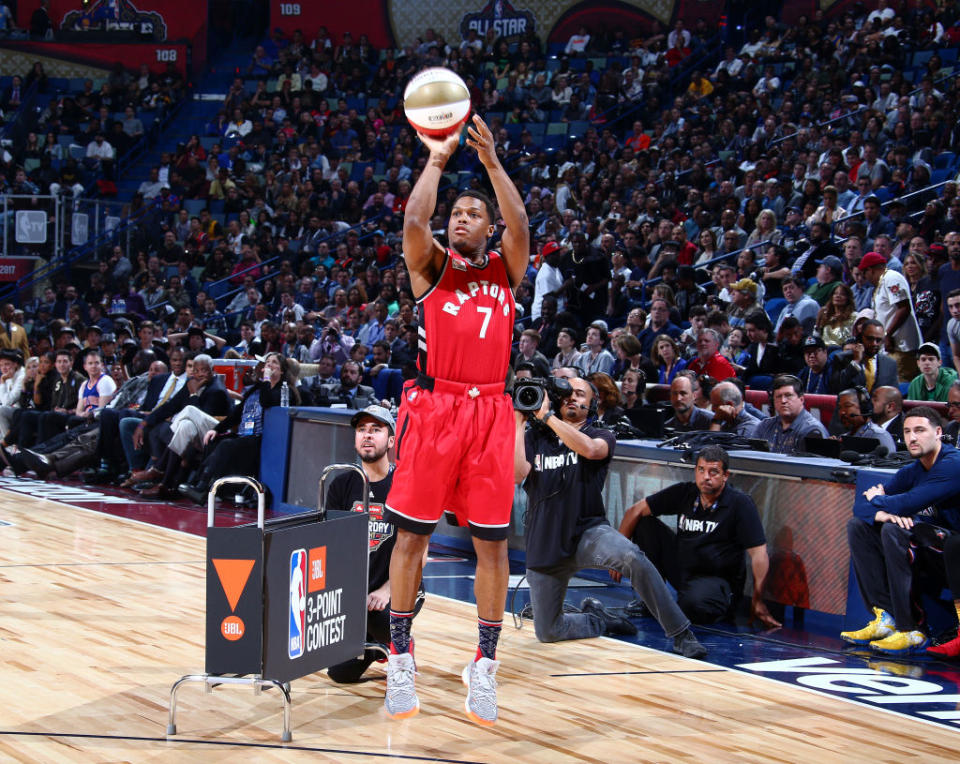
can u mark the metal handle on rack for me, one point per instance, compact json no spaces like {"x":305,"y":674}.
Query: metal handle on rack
{"x":237,"y":480}
{"x":321,"y":509}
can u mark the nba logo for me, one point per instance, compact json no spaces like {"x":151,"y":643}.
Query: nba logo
{"x":298,"y":602}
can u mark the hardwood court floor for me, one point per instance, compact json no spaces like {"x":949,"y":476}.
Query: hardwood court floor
{"x":100,"y":615}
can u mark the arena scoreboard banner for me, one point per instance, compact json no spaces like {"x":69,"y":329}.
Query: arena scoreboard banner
{"x":143,"y":32}
{"x":401,"y":22}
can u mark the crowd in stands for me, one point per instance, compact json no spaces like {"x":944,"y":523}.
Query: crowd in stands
{"x":83,"y":128}
{"x":789,"y":208}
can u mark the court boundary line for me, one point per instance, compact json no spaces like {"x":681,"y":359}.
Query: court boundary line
{"x":842,"y":698}
{"x":232,"y":743}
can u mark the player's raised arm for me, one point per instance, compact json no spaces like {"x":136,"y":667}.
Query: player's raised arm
{"x":516,"y":238}
{"x":422,"y":253}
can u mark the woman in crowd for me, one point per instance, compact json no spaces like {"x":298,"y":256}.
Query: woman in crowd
{"x":835,"y":319}
{"x":708,"y":246}
{"x":665,"y":355}
{"x":631,"y":388}
{"x":629,"y":355}
{"x":233,"y":446}
{"x":766,"y":229}
{"x":735,"y":348}
{"x":924,"y":296}
{"x":609,"y":408}
{"x":763,"y":358}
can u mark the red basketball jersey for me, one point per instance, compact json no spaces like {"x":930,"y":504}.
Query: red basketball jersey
{"x":466,"y":322}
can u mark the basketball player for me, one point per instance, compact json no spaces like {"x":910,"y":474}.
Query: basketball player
{"x":455,"y":428}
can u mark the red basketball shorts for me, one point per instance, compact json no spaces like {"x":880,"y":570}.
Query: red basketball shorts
{"x":454,"y":451}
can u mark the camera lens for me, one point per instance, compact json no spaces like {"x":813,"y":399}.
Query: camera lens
{"x":528,"y":397}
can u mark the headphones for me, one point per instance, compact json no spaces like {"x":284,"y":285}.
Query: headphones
{"x":594,"y":400}
{"x":865,"y":401}
{"x":782,"y":380}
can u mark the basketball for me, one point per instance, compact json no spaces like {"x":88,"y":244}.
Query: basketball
{"x":436,"y":102}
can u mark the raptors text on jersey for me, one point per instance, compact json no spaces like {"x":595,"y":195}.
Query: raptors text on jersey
{"x":466,"y":327}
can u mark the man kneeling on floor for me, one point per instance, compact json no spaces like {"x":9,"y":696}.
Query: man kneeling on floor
{"x":374,"y":429}
{"x":883,"y":527}
{"x":718,"y":527}
{"x":562,"y":462}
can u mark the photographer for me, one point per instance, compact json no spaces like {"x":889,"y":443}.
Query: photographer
{"x":562,"y":462}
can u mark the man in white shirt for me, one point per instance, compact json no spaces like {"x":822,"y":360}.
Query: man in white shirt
{"x":894,"y":309}
{"x":150,"y":189}
{"x":577,"y":43}
{"x":100,"y":155}
{"x":549,"y":279}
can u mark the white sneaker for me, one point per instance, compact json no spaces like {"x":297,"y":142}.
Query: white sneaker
{"x":401,"y":700}
{"x":480,"y":678}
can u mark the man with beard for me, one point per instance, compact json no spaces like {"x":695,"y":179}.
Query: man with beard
{"x":374,"y":429}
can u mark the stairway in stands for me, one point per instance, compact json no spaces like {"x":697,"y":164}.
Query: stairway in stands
{"x":208,"y":94}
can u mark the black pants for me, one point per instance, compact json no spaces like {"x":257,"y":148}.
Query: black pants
{"x":109,"y":448}
{"x":881,"y":560}
{"x":378,"y":630}
{"x":703,"y":599}
{"x":55,"y":422}
{"x":233,"y":456}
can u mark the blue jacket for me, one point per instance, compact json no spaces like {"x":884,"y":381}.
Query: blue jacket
{"x":913,"y":489}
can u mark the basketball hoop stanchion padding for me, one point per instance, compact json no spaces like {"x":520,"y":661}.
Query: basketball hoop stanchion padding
{"x":285,"y":598}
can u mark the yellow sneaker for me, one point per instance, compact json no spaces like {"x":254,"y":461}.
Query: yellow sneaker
{"x":881,"y":626}
{"x":901,"y":643}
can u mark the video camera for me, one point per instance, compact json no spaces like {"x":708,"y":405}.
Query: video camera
{"x":528,"y":394}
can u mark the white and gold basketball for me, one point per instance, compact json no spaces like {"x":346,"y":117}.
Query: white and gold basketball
{"x":436,"y":102}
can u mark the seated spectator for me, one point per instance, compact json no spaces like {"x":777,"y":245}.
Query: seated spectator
{"x":729,"y":414}
{"x":791,"y":423}
{"x":686,"y":415}
{"x":567,"y":354}
{"x":199,"y":405}
{"x":12,"y":376}
{"x":527,"y":351}
{"x":665,"y":355}
{"x":804,"y":308}
{"x":659,"y":323}
{"x":829,"y":273}
{"x":743,"y":294}
{"x":100,"y":155}
{"x":595,"y":357}
{"x":854,"y":408}
{"x":709,"y":361}
{"x":934,"y":379}
{"x":232,"y":446}
{"x":790,"y":347}
{"x":879,"y":369}
{"x":835,"y":319}
{"x":632,"y":385}
{"x":348,"y":391}
{"x":880,"y":534}
{"x":705,"y":562}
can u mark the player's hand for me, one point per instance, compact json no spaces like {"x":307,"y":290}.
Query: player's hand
{"x":760,"y":614}
{"x":441,"y":148}
{"x":208,"y":436}
{"x":615,"y":575}
{"x":481,"y":139}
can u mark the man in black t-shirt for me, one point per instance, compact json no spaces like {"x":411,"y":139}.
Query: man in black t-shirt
{"x":374,"y":432}
{"x":704,"y":559}
{"x":562,"y":462}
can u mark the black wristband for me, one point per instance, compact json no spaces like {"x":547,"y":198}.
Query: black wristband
{"x":545,"y":417}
